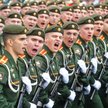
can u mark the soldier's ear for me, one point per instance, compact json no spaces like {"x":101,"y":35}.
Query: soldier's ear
{"x":10,"y":42}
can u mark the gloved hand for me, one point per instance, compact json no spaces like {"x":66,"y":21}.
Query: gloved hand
{"x":27,"y":82}
{"x":97,"y":85}
{"x":47,"y":79}
{"x":82,"y":65}
{"x":87,"y":90}
{"x":64,"y":73}
{"x":106,"y":55}
{"x":94,"y":62}
{"x":72,"y":95}
{"x":49,"y":104}
{"x":32,"y":105}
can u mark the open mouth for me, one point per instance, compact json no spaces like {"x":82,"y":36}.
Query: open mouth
{"x":42,"y":24}
{"x":30,"y":25}
{"x":56,"y":44}
{"x":70,"y":41}
{"x":98,"y":30}
{"x":34,"y":50}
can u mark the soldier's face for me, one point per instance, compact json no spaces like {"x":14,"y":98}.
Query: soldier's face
{"x":29,"y":21}
{"x":84,"y":13}
{"x":105,"y":28}
{"x":53,"y":40}
{"x":19,"y":44}
{"x":15,"y":21}
{"x":5,"y":12}
{"x":66,"y":16}
{"x":76,"y":15}
{"x":34,"y":8}
{"x":98,"y":27}
{"x":86,"y":31}
{"x":43,"y":20}
{"x":25,"y":9}
{"x":54,"y":18}
{"x":42,"y":7}
{"x":69,"y":37}
{"x":1,"y":27}
{"x":90,"y":12}
{"x":16,"y":9}
{"x":34,"y":45}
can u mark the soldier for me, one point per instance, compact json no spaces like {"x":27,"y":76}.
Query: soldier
{"x":61,"y":3}
{"x":47,"y":65}
{"x":13,"y":18}
{"x":14,"y":42}
{"x":84,"y":11}
{"x":15,"y":7}
{"x":67,"y":61}
{"x":2,"y":24}
{"x":66,"y":15}
{"x":86,"y":33}
{"x":25,"y":8}
{"x":4,"y":10}
{"x":30,"y":19}
{"x":35,"y":40}
{"x":34,"y":6}
{"x":51,"y":3}
{"x":54,"y":13}
{"x":43,"y":19}
{"x":90,"y":10}
{"x":42,"y":5}
{"x":76,"y":12}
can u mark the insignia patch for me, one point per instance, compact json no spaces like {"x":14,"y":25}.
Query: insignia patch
{"x":0,"y":20}
{"x":15,"y":16}
{"x":1,"y":76}
{"x":38,"y":63}
{"x":77,"y":51}
{"x":39,"y":33}
{"x":89,"y":21}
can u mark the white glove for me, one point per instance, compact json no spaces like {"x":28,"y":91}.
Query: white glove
{"x":47,"y":79}
{"x":32,"y":105}
{"x":87,"y":90}
{"x":97,"y":85}
{"x":50,"y":104}
{"x":106,"y":55}
{"x":72,"y":95}
{"x":27,"y":82}
{"x":64,"y":73}
{"x":82,"y":65}
{"x":94,"y":62}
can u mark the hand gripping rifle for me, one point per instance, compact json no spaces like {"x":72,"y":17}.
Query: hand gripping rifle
{"x":23,"y":89}
{"x":39,"y":88}
{"x":101,"y":73}
{"x":76,"y":73}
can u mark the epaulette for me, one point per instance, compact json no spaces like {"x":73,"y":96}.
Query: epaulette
{"x":43,"y":52}
{"x":3,"y":60}
{"x":21,"y":56}
{"x":102,"y":37}
{"x":61,"y":47}
{"x":78,"y":42}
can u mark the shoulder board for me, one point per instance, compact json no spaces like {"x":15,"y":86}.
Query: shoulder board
{"x":78,"y":42}
{"x":21,"y":56}
{"x":3,"y":60}
{"x":102,"y":37}
{"x":61,"y":48}
{"x":43,"y":52}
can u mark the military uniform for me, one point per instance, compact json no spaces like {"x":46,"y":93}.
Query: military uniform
{"x":10,"y":73}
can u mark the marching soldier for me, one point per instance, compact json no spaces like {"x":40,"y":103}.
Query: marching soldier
{"x":35,"y":40}
{"x":47,"y":65}
{"x":10,"y":76}
{"x":67,"y":61}
{"x":43,"y":19}
{"x":13,"y":18}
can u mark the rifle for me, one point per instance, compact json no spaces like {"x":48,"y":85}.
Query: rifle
{"x":76,"y":73}
{"x":23,"y":89}
{"x":101,"y":73}
{"x":39,"y":88}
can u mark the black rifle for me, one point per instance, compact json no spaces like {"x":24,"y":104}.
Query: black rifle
{"x":76,"y":73}
{"x":23,"y":89}
{"x":39,"y":88}
{"x":101,"y":73}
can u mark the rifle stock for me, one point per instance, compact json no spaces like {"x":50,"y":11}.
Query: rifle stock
{"x":101,"y":73}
